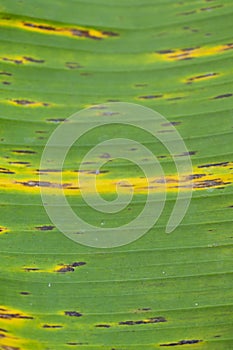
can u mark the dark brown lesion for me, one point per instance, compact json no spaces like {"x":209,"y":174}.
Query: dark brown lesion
{"x":23,"y":151}
{"x":73,"y":313}
{"x":52,"y":326}
{"x":202,"y":76}
{"x":45,"y":228}
{"x":34,"y":60}
{"x":223,"y":96}
{"x":31,"y":269}
{"x":39,"y":26}
{"x":147,"y":321}
{"x":183,"y":342}
{"x":63,"y":268}
{"x":102,"y":326}
{"x":6,"y":171}
{"x":213,"y":164}
{"x":42,"y":184}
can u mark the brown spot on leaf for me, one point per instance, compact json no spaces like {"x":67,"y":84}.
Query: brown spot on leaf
{"x":42,"y":184}
{"x":73,"y":313}
{"x":25,"y":293}
{"x":23,"y":102}
{"x":6,"y":83}
{"x":182,"y":342}
{"x":65,"y":268}
{"x":148,"y":97}
{"x":103,"y":326}
{"x":20,"y":163}
{"x":105,"y":155}
{"x":34,"y":60}
{"x":39,"y":26}
{"x":6,"y":73}
{"x":149,"y":320}
{"x":210,"y":183}
{"x":213,"y":164}
{"x":162,"y":52}
{"x":23,"y":151}
{"x":202,"y":76}
{"x":223,"y":96}
{"x":6,"y":171}
{"x":56,"y":120}
{"x":7,"y":347}
{"x":73,"y":65}
{"x":31,"y":269}
{"x":188,"y":13}
{"x":45,"y":228}
{"x":171,"y":123}
{"x":78,"y":263}
{"x":52,"y":326}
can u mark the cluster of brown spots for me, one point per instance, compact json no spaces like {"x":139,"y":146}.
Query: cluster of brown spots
{"x":149,"y":320}
{"x":79,"y":32}
{"x":73,"y":65}
{"x":223,"y":96}
{"x":149,"y":97}
{"x":73,"y":313}
{"x":201,"y":76}
{"x":45,"y":228}
{"x":182,"y":342}
{"x":210,"y":183}
{"x":29,"y":103}
{"x":6,"y":171}
{"x":69,"y":267}
{"x":52,"y":326}
{"x":6,"y":314}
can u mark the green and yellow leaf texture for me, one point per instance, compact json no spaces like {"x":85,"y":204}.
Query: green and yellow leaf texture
{"x":58,"y":57}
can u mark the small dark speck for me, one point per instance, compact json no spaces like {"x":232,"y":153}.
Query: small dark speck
{"x":25,"y":293}
{"x":103,"y":326}
{"x":6,"y":83}
{"x":28,"y":269}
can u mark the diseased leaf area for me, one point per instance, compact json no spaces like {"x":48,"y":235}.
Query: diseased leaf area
{"x":58,"y":57}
